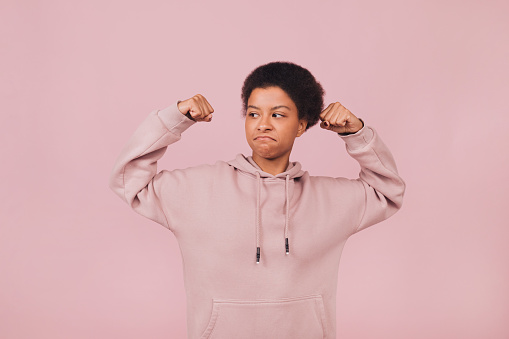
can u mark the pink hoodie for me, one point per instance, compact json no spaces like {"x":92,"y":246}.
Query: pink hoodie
{"x":229,"y":215}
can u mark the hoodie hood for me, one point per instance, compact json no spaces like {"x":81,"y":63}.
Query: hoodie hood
{"x":249,"y":166}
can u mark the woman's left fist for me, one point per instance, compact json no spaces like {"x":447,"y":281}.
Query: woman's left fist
{"x":338,"y":119}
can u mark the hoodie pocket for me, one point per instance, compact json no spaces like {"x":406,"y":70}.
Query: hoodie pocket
{"x":302,"y":317}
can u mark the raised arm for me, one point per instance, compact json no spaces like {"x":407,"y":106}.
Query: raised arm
{"x":134,"y":177}
{"x":379,"y":178}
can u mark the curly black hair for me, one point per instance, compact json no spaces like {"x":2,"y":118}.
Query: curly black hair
{"x":300,"y":85}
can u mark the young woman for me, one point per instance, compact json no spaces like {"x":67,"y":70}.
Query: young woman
{"x":260,"y":238}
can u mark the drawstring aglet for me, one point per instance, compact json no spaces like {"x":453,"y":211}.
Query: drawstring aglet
{"x":258,"y":255}
{"x":287,"y":246}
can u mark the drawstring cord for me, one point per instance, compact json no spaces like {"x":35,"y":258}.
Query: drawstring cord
{"x":258,"y":214}
{"x":287,"y":245}
{"x":258,"y":179}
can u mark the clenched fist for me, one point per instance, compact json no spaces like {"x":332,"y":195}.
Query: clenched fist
{"x":338,"y":119}
{"x":196,"y":108}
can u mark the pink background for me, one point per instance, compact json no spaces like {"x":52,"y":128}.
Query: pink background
{"x":77,"y":78}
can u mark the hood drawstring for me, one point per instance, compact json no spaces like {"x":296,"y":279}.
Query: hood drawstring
{"x":258,"y":214}
{"x":287,"y":217}
{"x":258,"y":182}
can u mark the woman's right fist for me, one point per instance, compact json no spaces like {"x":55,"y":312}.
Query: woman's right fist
{"x":196,"y":108}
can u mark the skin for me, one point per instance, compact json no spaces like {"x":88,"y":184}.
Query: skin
{"x":272,"y":124}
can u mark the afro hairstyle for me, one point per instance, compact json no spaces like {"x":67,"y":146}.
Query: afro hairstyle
{"x":298,"y":83}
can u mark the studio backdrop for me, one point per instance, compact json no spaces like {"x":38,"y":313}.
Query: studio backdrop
{"x":78,"y":77}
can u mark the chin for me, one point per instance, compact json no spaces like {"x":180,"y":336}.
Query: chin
{"x":268,"y":155}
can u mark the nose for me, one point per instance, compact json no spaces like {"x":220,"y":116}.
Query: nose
{"x":264,"y":124}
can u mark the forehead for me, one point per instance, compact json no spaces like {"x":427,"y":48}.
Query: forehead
{"x":270,"y":96}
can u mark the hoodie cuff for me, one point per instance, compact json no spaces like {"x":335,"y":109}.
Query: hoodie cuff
{"x":359,"y":139}
{"x":174,"y":120}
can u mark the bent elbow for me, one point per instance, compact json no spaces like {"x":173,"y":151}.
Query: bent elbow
{"x":398,"y":194}
{"x":116,"y":183}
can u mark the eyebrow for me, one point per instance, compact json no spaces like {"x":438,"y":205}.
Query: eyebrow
{"x":273,"y":108}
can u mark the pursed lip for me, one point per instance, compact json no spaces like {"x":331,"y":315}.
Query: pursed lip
{"x":264,"y":137}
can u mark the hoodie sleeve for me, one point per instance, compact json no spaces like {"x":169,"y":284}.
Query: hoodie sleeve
{"x":383,"y":187}
{"x":134,"y":177}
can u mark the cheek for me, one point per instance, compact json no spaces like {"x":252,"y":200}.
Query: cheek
{"x":247,"y":128}
{"x":288,"y":132}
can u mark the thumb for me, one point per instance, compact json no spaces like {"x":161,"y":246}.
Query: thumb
{"x":325,"y":125}
{"x":208,"y":118}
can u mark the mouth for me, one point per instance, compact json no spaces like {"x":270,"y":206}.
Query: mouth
{"x":264,"y":138}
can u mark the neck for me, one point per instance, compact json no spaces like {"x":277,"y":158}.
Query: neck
{"x":272,"y":166}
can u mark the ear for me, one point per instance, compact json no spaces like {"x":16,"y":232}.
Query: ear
{"x":302,"y":127}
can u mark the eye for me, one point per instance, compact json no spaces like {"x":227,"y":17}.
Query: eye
{"x":253,"y":114}
{"x":277,"y":115}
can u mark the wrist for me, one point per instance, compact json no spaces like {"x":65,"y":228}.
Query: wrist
{"x":178,"y":106}
{"x":349,"y":133}
{"x":187,"y":114}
